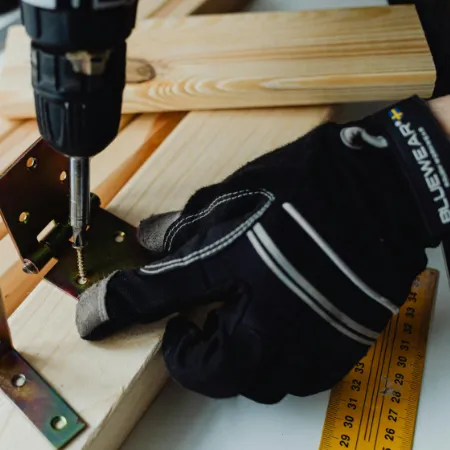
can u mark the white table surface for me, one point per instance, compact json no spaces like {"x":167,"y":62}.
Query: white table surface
{"x":182,"y":420}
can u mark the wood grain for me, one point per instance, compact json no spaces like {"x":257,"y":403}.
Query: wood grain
{"x":261,"y":59}
{"x":110,"y":383}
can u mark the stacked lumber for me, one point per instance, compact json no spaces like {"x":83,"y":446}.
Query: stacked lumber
{"x":231,"y":64}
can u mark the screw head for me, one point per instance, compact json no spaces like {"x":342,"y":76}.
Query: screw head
{"x":29,"y":267}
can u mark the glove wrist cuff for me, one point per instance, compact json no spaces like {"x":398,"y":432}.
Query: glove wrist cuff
{"x":423,"y":152}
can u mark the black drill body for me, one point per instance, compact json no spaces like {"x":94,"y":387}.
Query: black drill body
{"x":78,"y":59}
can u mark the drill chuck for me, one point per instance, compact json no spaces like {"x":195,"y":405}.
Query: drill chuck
{"x":78,"y":114}
{"x":78,"y":60}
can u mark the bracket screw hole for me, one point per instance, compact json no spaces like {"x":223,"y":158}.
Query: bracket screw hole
{"x":63,"y":176}
{"x":19,"y":380}
{"x":31,"y":163}
{"x":29,"y":267}
{"x":24,"y":216}
{"x":119,"y":237}
{"x":58,"y":423}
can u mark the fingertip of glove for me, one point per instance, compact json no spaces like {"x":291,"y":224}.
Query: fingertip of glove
{"x":151,"y":231}
{"x":91,"y":314}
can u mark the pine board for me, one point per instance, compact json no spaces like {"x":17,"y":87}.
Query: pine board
{"x":112,"y":382}
{"x":248,"y":60}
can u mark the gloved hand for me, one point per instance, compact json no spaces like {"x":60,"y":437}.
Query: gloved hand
{"x":311,"y":248}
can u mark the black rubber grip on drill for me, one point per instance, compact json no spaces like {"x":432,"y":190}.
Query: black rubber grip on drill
{"x":72,"y":29}
{"x":77,"y":114}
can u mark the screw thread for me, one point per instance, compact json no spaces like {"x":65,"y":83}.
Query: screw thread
{"x":80,"y":265}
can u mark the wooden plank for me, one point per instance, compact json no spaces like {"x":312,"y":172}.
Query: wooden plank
{"x":16,"y":53}
{"x":112,"y":382}
{"x":268,"y":59}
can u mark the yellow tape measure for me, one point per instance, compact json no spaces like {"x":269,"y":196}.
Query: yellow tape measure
{"x":375,"y":406}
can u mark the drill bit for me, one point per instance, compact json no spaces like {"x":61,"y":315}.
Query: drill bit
{"x":79,"y":209}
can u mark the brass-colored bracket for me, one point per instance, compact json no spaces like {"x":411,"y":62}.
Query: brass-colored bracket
{"x":31,"y":394}
{"x":34,"y":204}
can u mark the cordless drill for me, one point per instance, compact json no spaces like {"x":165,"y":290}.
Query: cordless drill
{"x":78,"y":58}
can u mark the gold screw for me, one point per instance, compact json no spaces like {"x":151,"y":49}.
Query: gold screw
{"x":82,"y":278}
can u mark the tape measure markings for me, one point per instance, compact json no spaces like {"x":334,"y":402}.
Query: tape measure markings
{"x":376,"y":389}
{"x":386,"y":378}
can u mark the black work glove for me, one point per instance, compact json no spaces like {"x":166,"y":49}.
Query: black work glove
{"x":312,"y":248}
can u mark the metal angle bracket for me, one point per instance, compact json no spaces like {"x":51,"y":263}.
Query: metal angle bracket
{"x":32,"y":395}
{"x":34,"y":204}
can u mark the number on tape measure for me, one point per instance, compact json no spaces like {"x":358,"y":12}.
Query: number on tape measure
{"x":375,"y":406}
